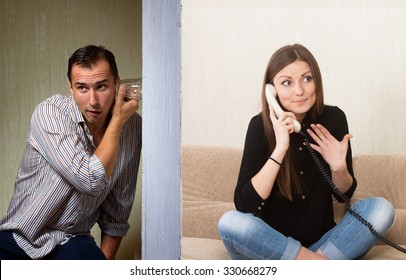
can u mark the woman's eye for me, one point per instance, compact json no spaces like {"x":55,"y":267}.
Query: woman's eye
{"x":286,"y":83}
{"x":308,"y":78}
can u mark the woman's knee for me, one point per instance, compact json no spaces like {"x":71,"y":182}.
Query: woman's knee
{"x":228,"y":221}
{"x":235,"y":223}
{"x":379,"y":213}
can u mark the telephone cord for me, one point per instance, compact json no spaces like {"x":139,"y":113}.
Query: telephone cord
{"x":346,"y":200}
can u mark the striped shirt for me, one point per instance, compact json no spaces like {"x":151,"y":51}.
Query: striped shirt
{"x":61,"y":188}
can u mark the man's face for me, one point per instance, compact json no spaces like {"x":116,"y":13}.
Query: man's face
{"x":94,"y":91}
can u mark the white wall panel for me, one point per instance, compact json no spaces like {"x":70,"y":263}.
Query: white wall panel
{"x":359,"y":46}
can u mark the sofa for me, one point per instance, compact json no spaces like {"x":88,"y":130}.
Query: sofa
{"x":209,"y":176}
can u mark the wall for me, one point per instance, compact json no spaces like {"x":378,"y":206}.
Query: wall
{"x":359,"y":46}
{"x":37,"y":38}
{"x":161,"y":131}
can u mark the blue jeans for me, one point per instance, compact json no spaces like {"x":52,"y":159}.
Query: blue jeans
{"x":248,"y":237}
{"x":77,"y":248}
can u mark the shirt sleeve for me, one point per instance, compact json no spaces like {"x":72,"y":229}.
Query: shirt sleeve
{"x":57,"y":137}
{"x":254,"y":157}
{"x":116,"y":208}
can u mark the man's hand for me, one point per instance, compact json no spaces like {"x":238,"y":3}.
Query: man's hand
{"x":107,"y":151}
{"x":123,"y":110}
{"x":109,"y":245}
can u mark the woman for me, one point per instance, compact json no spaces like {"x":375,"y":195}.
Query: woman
{"x":284,"y":204}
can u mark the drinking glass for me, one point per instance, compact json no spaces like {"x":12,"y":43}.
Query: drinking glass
{"x":133,"y":88}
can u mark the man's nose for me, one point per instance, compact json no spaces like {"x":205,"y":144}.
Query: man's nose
{"x":94,"y":100}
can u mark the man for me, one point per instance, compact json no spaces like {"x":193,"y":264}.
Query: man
{"x":79,"y":167}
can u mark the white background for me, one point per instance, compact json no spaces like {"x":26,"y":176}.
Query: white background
{"x":359,"y":45}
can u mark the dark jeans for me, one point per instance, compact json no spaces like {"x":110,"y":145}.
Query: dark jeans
{"x":77,"y":248}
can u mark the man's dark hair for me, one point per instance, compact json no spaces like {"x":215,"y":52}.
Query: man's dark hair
{"x":89,"y":55}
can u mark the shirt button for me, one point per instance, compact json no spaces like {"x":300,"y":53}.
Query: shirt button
{"x":259,"y":208}
{"x":262,"y":203}
{"x":303,"y":197}
{"x":300,"y":148}
{"x":301,"y":172}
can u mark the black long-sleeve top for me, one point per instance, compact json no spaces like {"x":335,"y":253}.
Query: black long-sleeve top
{"x":310,"y":214}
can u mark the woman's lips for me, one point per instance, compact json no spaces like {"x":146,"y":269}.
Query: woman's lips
{"x":301,"y":101}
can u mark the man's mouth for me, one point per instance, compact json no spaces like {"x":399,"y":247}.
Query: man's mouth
{"x":94,"y":113}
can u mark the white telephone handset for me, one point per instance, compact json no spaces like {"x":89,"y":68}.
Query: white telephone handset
{"x":270,"y":95}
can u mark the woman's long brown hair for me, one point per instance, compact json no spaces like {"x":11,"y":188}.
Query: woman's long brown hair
{"x":288,"y":179}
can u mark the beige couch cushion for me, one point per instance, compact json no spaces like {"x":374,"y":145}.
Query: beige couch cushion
{"x":384,"y":176}
{"x":381,"y":175}
{"x":209,"y":177}
{"x":203,"y":249}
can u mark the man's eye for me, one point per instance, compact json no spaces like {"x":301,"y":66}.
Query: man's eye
{"x":101,"y":87}
{"x":81,"y":88}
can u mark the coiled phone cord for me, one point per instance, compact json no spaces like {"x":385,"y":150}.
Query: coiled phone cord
{"x":345,"y":198}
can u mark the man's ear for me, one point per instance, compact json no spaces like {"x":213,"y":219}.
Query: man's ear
{"x":70,"y":88}
{"x":117,"y":83}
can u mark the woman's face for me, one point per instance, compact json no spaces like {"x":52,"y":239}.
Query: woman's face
{"x":295,"y":88}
